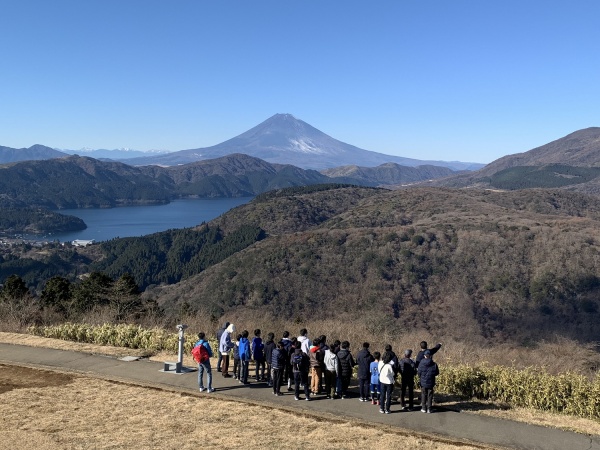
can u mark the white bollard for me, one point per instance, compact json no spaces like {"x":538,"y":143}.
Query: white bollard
{"x":179,"y":365}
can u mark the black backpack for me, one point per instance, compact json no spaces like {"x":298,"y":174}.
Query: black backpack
{"x":297,"y":362}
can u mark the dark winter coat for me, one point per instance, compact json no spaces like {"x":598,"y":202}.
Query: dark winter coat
{"x":408,"y":368}
{"x":221,"y":330}
{"x":346,"y":363}
{"x":393,"y":359}
{"x":364,"y":360}
{"x":278,"y":358}
{"x":427,"y":372}
{"x":269,"y":347}
{"x":421,"y":354}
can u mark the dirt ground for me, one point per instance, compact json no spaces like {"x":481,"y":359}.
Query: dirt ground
{"x":53,"y":410}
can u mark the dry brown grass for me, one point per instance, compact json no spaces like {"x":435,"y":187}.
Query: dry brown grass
{"x":52,"y":410}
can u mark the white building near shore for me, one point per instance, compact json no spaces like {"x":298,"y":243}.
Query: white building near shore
{"x":82,"y":242}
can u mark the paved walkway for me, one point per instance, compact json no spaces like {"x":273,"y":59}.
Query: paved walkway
{"x":445,"y":423}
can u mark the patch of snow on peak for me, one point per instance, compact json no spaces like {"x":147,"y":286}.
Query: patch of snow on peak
{"x":305,"y":146}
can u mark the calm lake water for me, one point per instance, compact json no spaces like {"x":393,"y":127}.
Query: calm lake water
{"x":127,"y":221}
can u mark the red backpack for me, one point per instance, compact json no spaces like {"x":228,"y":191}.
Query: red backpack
{"x":200,"y":353}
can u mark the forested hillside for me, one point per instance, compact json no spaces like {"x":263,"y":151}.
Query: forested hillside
{"x":18,"y":218}
{"x":500,"y":265}
{"x":520,"y":265}
{"x":172,"y":255}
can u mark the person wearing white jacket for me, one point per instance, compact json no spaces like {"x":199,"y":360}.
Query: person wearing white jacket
{"x":386,"y":378}
{"x":332,"y":370}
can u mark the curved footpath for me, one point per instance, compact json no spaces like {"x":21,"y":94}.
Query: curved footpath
{"x":443,"y":423}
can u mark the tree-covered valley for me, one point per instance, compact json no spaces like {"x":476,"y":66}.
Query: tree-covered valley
{"x":514,"y":266}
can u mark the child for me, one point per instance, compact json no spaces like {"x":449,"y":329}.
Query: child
{"x":364,"y":360}
{"x":205,"y":365}
{"x":259,"y":356}
{"x":316,"y":356}
{"x":386,"y":378}
{"x":277,"y":367}
{"x":288,"y":345}
{"x":346,"y":364}
{"x":427,"y":372}
{"x":300,"y":365}
{"x":269,"y":347}
{"x":331,"y":373}
{"x":236,"y":358}
{"x":374,"y":369}
{"x":244,"y":356}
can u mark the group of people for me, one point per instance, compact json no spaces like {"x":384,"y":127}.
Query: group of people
{"x":319,"y":368}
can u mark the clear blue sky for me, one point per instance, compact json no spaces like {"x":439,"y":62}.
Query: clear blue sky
{"x":468,"y":80}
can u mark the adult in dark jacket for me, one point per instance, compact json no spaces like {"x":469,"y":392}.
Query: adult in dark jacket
{"x":346,"y":364}
{"x":220,"y":332}
{"x":269,"y":347}
{"x":408,"y":370}
{"x":364,"y":360}
{"x":421,"y":354}
{"x":427,"y":372}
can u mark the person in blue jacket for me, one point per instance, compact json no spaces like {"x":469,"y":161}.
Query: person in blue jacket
{"x":204,"y":366}
{"x":244,"y":356}
{"x":258,"y":355}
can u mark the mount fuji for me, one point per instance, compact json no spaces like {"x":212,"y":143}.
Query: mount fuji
{"x":284,"y":139}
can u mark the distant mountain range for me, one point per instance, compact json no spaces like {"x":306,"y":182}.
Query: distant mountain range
{"x":571,"y":162}
{"x":388,"y":174}
{"x":82,"y":182}
{"x":116,"y":154}
{"x":33,"y":153}
{"x":283,"y":139}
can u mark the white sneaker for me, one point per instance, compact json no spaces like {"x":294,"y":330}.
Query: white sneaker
{"x":211,"y":390}
{"x":201,"y":389}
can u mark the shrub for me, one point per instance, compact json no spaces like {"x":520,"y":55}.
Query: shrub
{"x":568,"y":392}
{"x":121,"y":335}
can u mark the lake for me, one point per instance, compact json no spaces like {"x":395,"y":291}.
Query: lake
{"x":108,"y":223}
